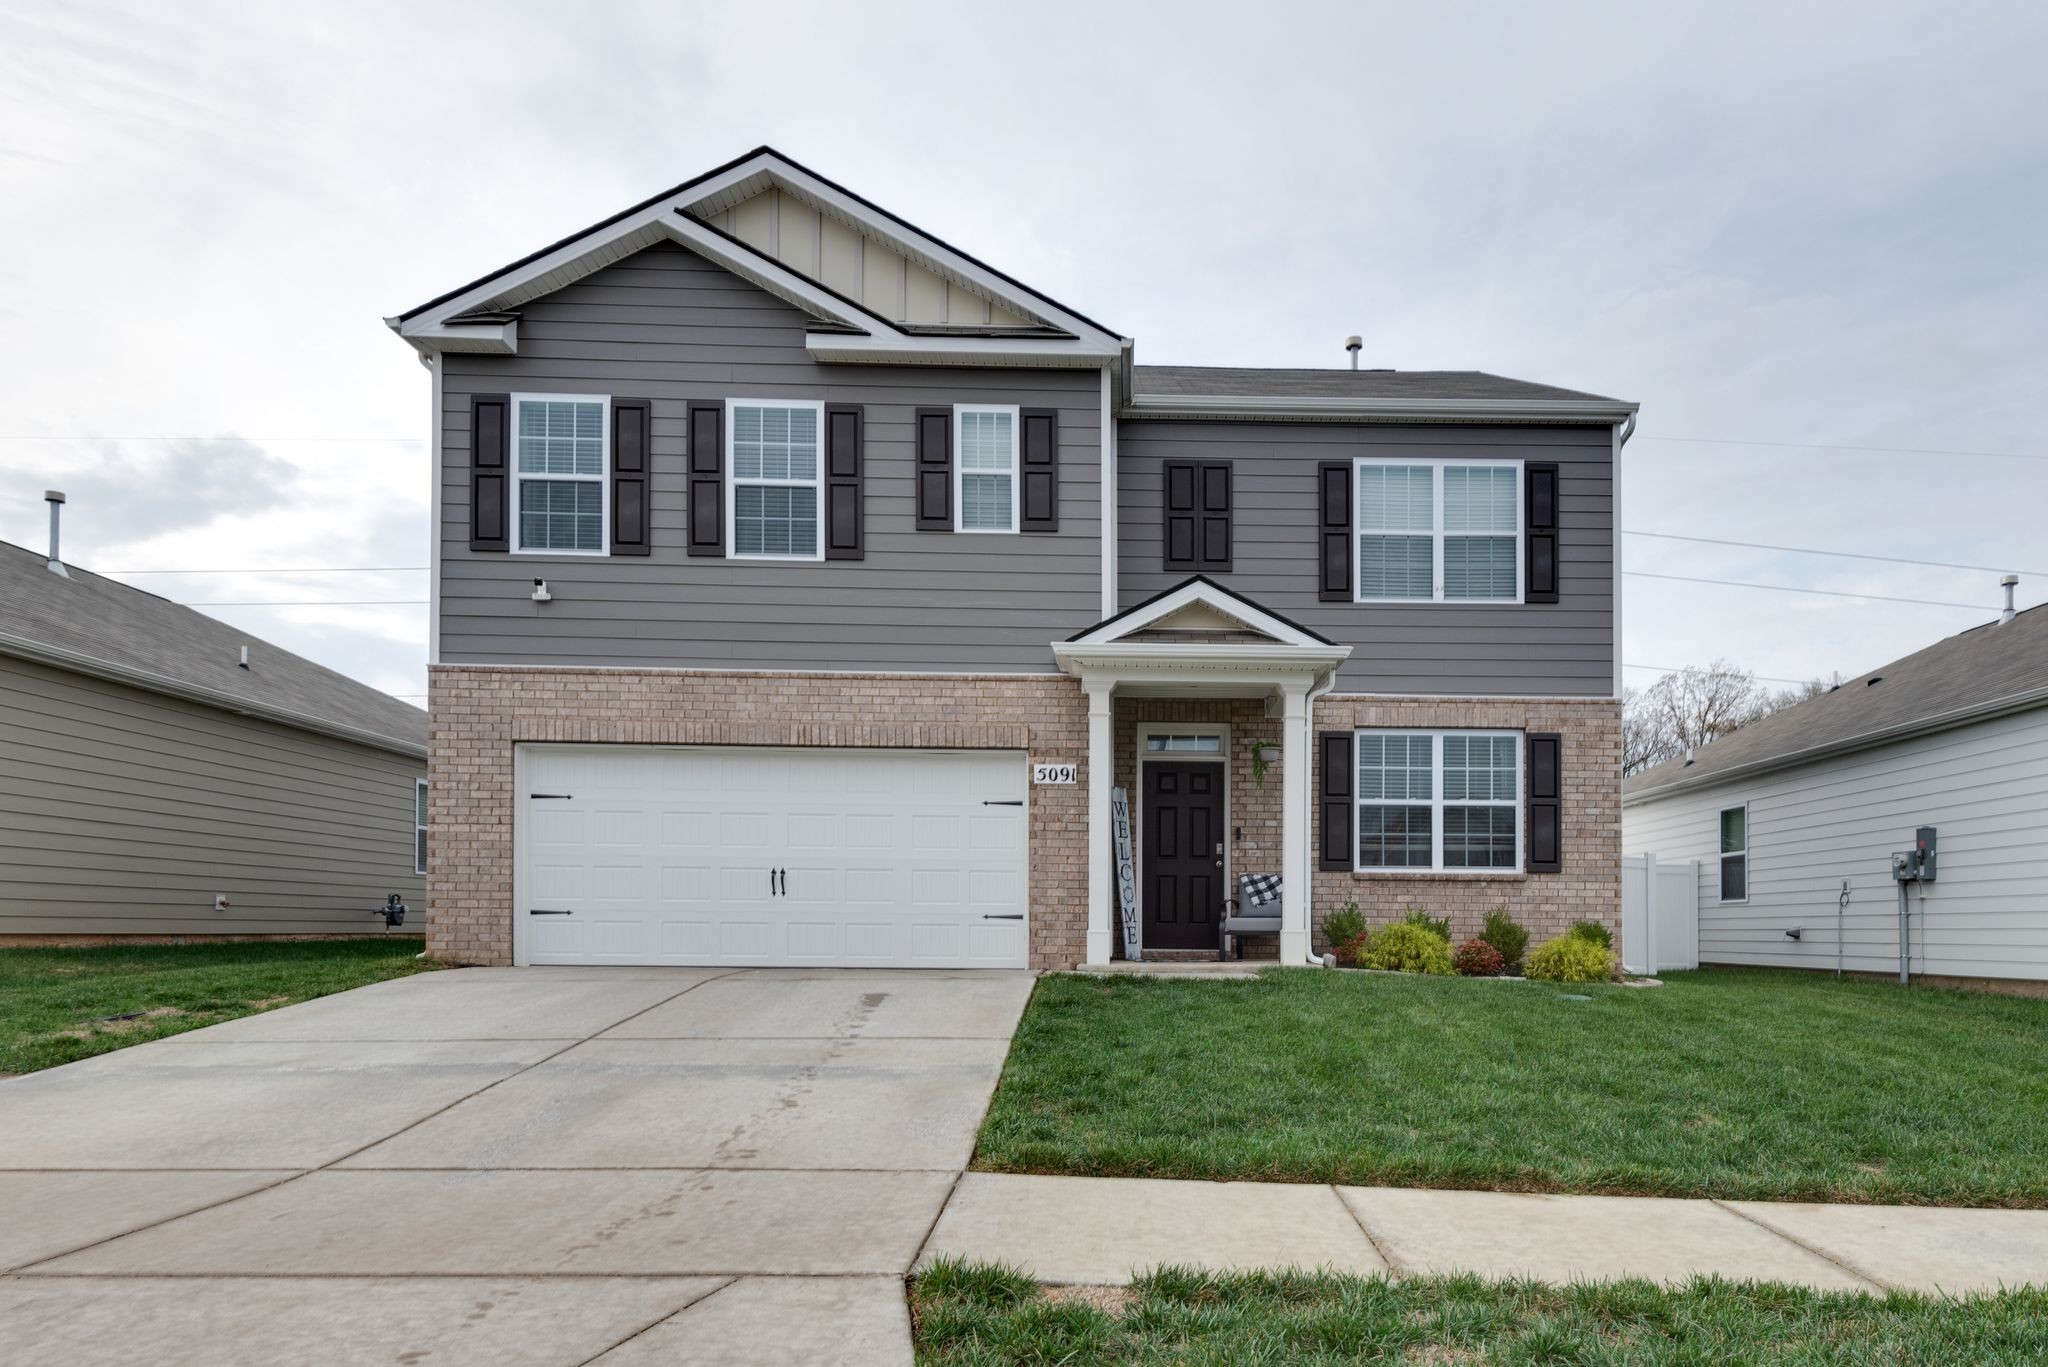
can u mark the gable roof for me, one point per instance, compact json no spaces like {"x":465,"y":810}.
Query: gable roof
{"x":1984,"y":672}
{"x":83,"y":622}
{"x":481,"y":315}
{"x":1188,"y":391}
{"x":1195,"y":593}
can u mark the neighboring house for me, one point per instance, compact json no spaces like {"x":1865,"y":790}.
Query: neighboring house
{"x":804,"y":586}
{"x":146,"y":771}
{"x":1786,"y":813}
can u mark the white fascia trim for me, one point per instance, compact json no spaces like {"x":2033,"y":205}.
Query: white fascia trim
{"x":1153,"y":658}
{"x":885,"y":343}
{"x":1287,"y":636}
{"x":1869,"y":740}
{"x":1615,"y":551}
{"x":93,"y":667}
{"x":1012,"y":298}
{"x":434,"y":513}
{"x":1602,"y":411}
{"x":1106,"y":500}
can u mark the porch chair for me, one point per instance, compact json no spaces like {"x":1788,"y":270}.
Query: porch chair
{"x":1257,"y":912}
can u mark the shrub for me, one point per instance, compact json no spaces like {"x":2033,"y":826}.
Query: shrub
{"x":1571,"y":958}
{"x":1504,"y":935}
{"x":1594,"y":931}
{"x":1345,"y":930}
{"x":1418,"y":917}
{"x":1478,"y":959}
{"x":1405,"y":947}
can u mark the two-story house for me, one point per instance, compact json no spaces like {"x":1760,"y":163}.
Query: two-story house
{"x":806,"y":591}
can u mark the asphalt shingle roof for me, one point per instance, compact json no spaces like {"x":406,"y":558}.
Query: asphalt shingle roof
{"x":85,"y":614}
{"x":1969,"y":671}
{"x":1255,"y":382}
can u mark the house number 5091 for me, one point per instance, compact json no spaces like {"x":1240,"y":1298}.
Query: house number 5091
{"x":1055,"y":773}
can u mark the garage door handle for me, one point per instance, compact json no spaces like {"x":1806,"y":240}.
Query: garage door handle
{"x":560,"y":797}
{"x":543,"y":911}
{"x":1002,"y":802}
{"x":1002,"y":916}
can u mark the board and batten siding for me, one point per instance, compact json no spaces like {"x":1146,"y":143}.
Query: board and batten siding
{"x":1562,"y":649}
{"x":668,"y":326}
{"x":1984,"y":787}
{"x":126,"y":812}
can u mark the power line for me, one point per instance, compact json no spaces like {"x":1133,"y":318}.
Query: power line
{"x":1787,"y":588}
{"x":1827,"y":446}
{"x":1663,"y":669}
{"x":1845,"y":555}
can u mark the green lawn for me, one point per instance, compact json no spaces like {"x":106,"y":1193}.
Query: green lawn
{"x":986,"y":1316}
{"x":1760,"y":1085}
{"x":57,"y":1005}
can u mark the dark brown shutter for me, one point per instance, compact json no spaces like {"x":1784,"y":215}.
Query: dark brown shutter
{"x":706,"y":491}
{"x":630,"y":461}
{"x":1539,"y":514}
{"x":1213,"y":491}
{"x":1040,"y":447}
{"x":935,"y":469}
{"x":1339,"y":849}
{"x":490,"y":475}
{"x":843,"y":482}
{"x":1179,"y":495}
{"x":1333,"y":498}
{"x":1546,"y":802}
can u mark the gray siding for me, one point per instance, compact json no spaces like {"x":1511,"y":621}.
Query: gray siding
{"x":125,"y":812}
{"x":1561,"y":649}
{"x":666,"y":325}
{"x":1985,"y":787}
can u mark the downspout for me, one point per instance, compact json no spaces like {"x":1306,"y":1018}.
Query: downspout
{"x":1321,"y":689}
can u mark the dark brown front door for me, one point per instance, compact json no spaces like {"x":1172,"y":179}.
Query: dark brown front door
{"x":1183,"y":880}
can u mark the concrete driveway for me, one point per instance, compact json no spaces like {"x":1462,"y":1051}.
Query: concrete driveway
{"x":509,"y":1166}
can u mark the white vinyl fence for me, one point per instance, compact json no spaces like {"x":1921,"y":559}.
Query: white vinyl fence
{"x":1660,"y":914}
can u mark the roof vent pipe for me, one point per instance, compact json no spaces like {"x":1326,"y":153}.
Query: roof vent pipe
{"x":245,"y":657}
{"x":2008,"y":583}
{"x":56,"y":502}
{"x":1352,"y":345}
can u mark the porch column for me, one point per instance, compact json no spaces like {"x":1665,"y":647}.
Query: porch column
{"x":1295,"y":823}
{"x":1101,"y":778}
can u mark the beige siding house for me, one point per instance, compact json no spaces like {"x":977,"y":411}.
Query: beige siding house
{"x":152,"y":783}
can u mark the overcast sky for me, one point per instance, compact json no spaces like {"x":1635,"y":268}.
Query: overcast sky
{"x":1806,"y":227}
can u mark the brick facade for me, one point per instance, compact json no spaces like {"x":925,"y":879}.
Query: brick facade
{"x":1589,"y":885}
{"x":479,"y":713}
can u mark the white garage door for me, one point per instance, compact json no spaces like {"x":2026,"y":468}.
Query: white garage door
{"x":640,"y":854}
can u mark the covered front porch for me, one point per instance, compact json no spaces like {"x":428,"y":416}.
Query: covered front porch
{"x":1200,"y":708}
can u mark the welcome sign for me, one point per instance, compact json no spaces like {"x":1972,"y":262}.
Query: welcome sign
{"x":1126,"y":870}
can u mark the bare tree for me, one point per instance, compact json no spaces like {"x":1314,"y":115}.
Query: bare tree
{"x":1696,"y":706}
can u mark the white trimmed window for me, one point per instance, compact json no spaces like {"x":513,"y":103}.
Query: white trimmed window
{"x":1441,"y":801}
{"x":1439,"y":531}
{"x":775,"y":469}
{"x":985,"y":467}
{"x":419,"y":826}
{"x":559,"y":463}
{"x":1735,"y":854}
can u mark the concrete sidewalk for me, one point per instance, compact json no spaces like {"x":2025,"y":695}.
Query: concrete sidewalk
{"x":1090,"y":1230}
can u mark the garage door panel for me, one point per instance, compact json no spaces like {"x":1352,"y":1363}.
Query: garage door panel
{"x":888,"y":857}
{"x":685,"y":883}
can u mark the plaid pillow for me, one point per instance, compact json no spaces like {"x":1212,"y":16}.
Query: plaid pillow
{"x":1261,"y":888}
